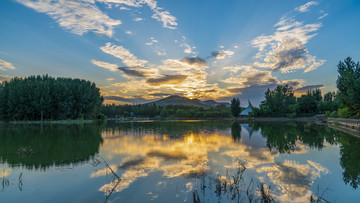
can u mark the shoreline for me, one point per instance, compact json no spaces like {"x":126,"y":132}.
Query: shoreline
{"x":49,"y":122}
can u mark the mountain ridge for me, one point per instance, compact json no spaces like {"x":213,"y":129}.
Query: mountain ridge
{"x":178,"y":100}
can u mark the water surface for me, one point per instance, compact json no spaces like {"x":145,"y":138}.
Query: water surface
{"x":178,"y":161}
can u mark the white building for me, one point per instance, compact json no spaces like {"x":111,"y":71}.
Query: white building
{"x":248,"y":109}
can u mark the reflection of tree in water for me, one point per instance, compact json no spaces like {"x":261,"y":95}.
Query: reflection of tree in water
{"x":173,"y":129}
{"x":50,"y":144}
{"x":283,"y":137}
{"x":350,"y":159}
{"x":236,"y":131}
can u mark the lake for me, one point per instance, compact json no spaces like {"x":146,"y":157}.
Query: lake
{"x":178,"y":161}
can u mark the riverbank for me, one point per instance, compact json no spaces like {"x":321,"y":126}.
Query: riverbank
{"x":350,"y":126}
{"x":49,"y":122}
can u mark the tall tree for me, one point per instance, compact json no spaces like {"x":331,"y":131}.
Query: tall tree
{"x":235,"y":107}
{"x":348,"y":84}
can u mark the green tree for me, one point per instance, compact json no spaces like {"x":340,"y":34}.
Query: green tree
{"x":348,"y":84}
{"x":279,"y":100}
{"x":235,"y":107}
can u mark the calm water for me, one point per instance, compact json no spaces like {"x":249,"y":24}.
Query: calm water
{"x":178,"y":162}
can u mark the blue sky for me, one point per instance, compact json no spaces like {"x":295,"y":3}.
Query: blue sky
{"x":142,"y":50}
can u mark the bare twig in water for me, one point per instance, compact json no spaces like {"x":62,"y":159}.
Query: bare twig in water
{"x":112,"y":171}
{"x":320,"y":198}
{"x":118,"y":179}
{"x":265,"y":195}
{"x":20,"y":184}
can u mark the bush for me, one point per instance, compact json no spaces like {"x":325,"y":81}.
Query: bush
{"x":334,"y":114}
{"x":344,"y":112}
{"x":327,"y":113}
{"x":101,"y":117}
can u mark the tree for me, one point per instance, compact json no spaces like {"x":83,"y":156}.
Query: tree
{"x":348,"y":84}
{"x":45,"y":97}
{"x":279,"y":100}
{"x":235,"y":107}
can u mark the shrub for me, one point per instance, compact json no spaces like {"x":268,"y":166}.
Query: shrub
{"x":327,"y":113}
{"x":334,"y":114}
{"x":344,"y":112}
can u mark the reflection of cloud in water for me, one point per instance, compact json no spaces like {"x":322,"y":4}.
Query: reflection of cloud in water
{"x":186,"y":157}
{"x":293,"y":180}
{"x":4,"y":172}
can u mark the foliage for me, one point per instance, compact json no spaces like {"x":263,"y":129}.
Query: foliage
{"x":278,"y":101}
{"x":44,"y":97}
{"x":334,"y":114}
{"x":171,"y":111}
{"x":235,"y":107}
{"x":344,"y":112}
{"x":348,"y":84}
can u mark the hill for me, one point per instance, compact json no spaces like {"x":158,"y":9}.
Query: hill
{"x":178,"y":100}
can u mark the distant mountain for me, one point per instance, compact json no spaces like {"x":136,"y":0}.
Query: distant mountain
{"x":178,"y":100}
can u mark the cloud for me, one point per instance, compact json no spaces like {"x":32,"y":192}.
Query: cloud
{"x":251,"y":77}
{"x":193,"y":61}
{"x":168,"y":20}
{"x":306,"y":7}
{"x":130,"y":71}
{"x":187,"y":49}
{"x":291,"y":54}
{"x":111,"y":67}
{"x":306,"y":88}
{"x":285,"y":50}
{"x":323,"y":16}
{"x":79,"y":17}
{"x":293,"y":83}
{"x":221,"y":54}
{"x":125,"y":55}
{"x":4,"y":78}
{"x":6,"y":65}
{"x":153,"y":40}
{"x":138,"y":19}
{"x":166,"y":79}
{"x":161,"y":52}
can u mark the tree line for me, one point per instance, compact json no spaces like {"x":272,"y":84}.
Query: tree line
{"x":46,"y":98}
{"x":345,"y":103}
{"x":169,"y":111}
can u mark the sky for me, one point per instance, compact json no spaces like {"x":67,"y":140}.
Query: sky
{"x":138,"y":51}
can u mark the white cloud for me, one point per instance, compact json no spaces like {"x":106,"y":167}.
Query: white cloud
{"x":285,"y":49}
{"x":124,"y":8}
{"x":111,"y":67}
{"x":79,"y":17}
{"x":187,"y":49}
{"x":161,"y":52}
{"x":138,"y":19}
{"x":168,"y":20}
{"x":6,"y":65}
{"x":323,"y":16}
{"x":305,"y":8}
{"x":222,"y":54}
{"x":125,"y":55}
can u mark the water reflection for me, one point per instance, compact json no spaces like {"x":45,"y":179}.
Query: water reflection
{"x":210,"y":152}
{"x":48,"y":145}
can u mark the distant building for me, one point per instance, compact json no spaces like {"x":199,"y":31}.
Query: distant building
{"x":248,"y":109}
